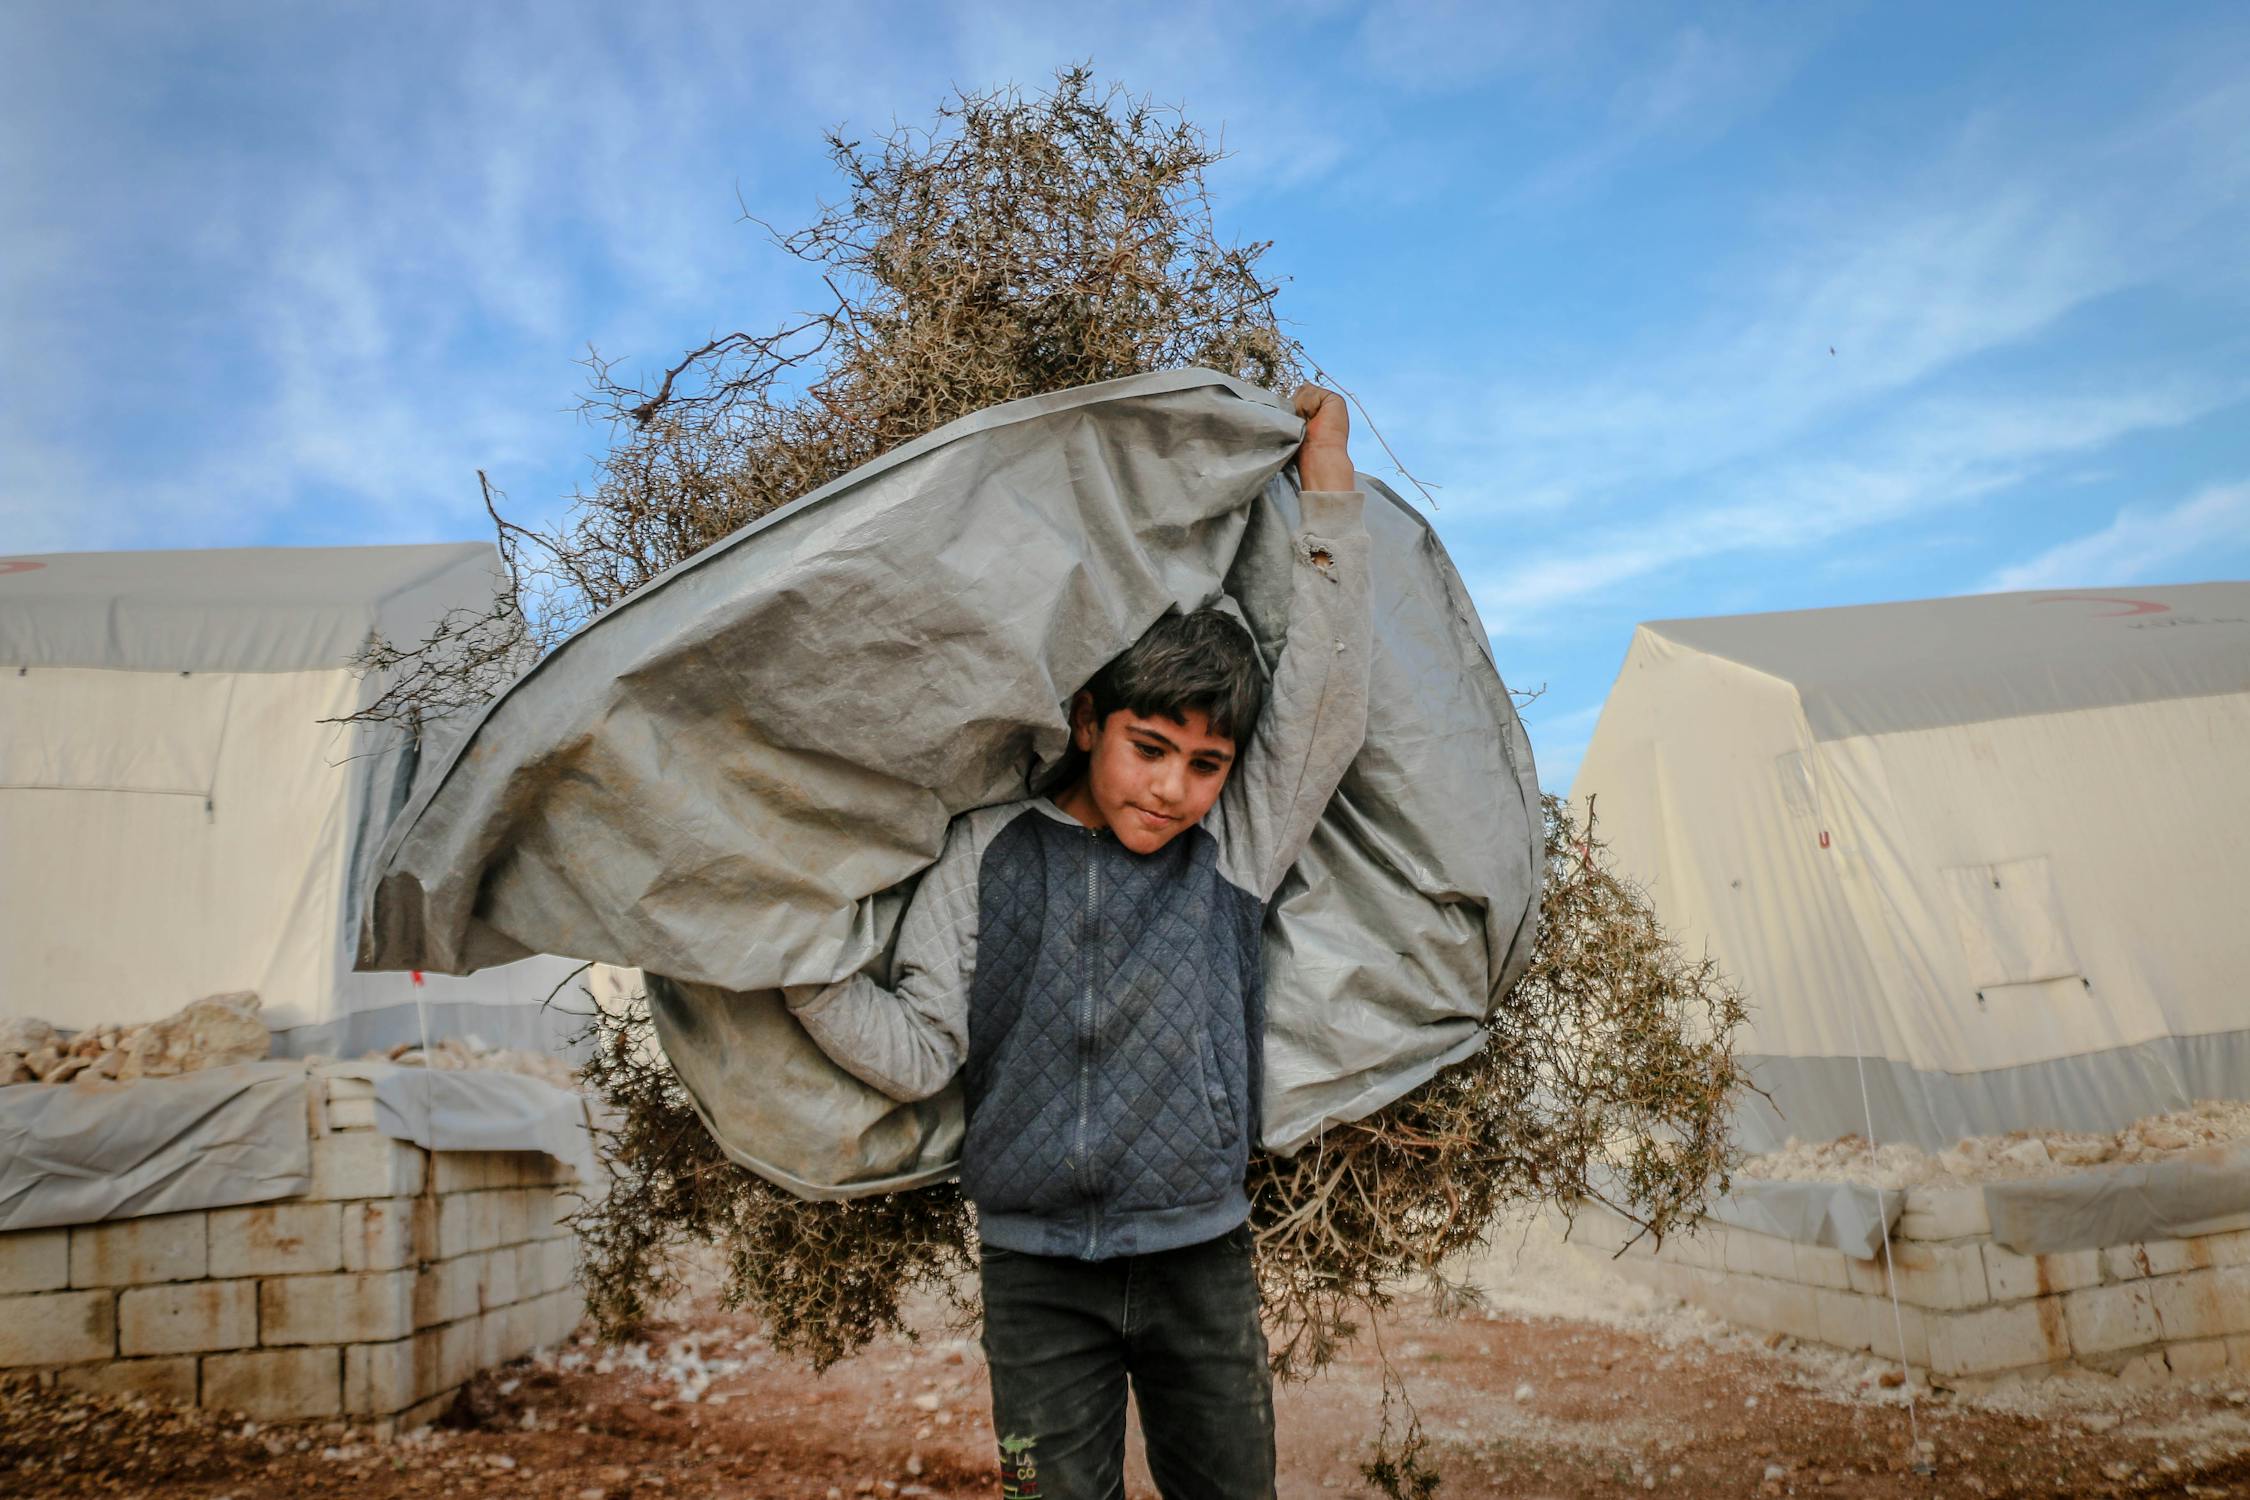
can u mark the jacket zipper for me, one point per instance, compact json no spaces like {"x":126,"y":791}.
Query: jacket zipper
{"x":1087,"y":934}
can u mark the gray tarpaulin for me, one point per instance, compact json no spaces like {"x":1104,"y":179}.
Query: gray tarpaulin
{"x":733,"y":777}
{"x":85,"y":1151}
{"x":480,"y":1110}
{"x":80,"y":1152}
{"x":2197,"y":1192}
{"x":1841,"y":1215}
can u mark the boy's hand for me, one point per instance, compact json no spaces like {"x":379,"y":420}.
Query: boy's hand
{"x":1324,"y":462}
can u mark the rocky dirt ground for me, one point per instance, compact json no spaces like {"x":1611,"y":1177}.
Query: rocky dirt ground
{"x":1617,"y":1398}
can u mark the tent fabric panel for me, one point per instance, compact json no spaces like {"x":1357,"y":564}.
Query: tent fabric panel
{"x":1616,"y":776}
{"x":1904,"y":925}
{"x":2135,"y":810}
{"x":505,"y":1006}
{"x":1820,"y":1098}
{"x":1749,"y":876}
{"x":2139,"y":819}
{"x":252,"y":609}
{"x":1887,"y":668}
{"x":123,"y":906}
{"x":1698,"y":774}
{"x":89,"y":729}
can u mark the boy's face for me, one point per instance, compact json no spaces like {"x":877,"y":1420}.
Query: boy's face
{"x":1147,"y":780}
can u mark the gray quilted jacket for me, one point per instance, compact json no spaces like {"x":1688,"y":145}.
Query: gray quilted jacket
{"x":1105,"y":1008}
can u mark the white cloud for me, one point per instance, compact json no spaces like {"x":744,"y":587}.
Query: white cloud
{"x":342,"y":309}
{"x":1436,"y":44}
{"x":1692,"y":87}
{"x":2140,"y":545}
{"x":1923,"y":458}
{"x":411,"y":259}
{"x":1940,"y":283}
{"x":1992,"y":243}
{"x":1739,"y":434}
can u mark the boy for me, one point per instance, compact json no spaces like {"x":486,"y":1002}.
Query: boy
{"x":1091,"y":962}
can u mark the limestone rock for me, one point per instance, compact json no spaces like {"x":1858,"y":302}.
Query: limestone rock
{"x":28,"y":1047}
{"x":2083,"y":1153}
{"x":2030,"y":1154}
{"x":207,"y":1033}
{"x":26,"y":1035}
{"x":458,"y":1053}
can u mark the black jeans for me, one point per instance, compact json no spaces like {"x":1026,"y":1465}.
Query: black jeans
{"x":1062,"y":1337}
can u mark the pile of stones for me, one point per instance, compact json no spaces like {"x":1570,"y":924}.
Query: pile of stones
{"x":461,"y":1053}
{"x":2001,"y":1158}
{"x":208,"y":1033}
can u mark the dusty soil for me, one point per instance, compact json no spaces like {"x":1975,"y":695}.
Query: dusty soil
{"x":1513,"y":1404}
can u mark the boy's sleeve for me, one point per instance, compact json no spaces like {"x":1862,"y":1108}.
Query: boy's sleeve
{"x":1316,"y":707}
{"x":908,"y":1040}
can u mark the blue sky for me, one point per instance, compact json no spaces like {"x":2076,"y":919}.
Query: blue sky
{"x":290,"y":274}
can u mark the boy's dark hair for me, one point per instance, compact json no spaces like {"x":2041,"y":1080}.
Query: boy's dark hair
{"x":1203,"y":660}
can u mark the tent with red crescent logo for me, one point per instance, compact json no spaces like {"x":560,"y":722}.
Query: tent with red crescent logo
{"x":1981,"y":864}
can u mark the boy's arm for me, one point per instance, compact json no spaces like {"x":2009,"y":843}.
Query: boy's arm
{"x":907,"y":1041}
{"x":1316,"y":707}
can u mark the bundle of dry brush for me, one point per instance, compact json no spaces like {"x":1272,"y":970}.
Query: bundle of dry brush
{"x":1607,"y":1074}
{"x":1025,"y":244}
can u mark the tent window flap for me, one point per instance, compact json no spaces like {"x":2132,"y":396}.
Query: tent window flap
{"x":2011,"y":922}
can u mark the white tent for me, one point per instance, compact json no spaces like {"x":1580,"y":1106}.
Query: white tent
{"x":1990,"y":854}
{"x":176,"y":819}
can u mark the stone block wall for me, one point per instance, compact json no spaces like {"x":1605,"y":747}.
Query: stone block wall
{"x":1968,"y":1310}
{"x":400,"y":1274}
